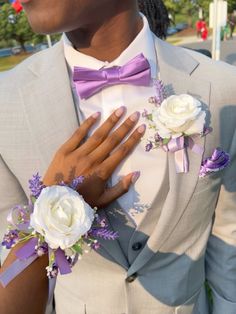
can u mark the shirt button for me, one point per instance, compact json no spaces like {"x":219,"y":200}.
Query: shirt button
{"x":137,"y":246}
{"x":132,"y":278}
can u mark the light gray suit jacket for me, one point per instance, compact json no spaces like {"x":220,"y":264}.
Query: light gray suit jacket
{"x":180,"y":245}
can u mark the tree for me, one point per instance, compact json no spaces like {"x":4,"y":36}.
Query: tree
{"x":172,"y":7}
{"x":15,"y":26}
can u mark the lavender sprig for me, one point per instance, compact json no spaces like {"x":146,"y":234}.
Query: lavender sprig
{"x":36,"y":185}
{"x":160,"y":91}
{"x":104,"y":233}
{"x":10,"y":239}
{"x":77,"y":181}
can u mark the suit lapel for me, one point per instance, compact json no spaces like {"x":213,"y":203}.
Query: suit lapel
{"x":48,"y":104}
{"x":177,"y":72}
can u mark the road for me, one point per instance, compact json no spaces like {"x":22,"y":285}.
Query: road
{"x":228,"y":49}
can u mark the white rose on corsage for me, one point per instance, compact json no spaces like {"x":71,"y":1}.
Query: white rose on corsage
{"x":61,"y":216}
{"x":179,"y":115}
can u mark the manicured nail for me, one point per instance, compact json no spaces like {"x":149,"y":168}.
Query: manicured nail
{"x":96,"y":115}
{"x":119,"y":112}
{"x":135,"y":176}
{"x":135,"y":116}
{"x":142,"y":128}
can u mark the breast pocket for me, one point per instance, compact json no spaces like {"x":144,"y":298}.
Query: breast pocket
{"x":210,"y":183}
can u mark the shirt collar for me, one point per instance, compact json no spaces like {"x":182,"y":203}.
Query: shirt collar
{"x":143,"y":43}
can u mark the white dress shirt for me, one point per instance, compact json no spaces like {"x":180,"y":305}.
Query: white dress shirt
{"x":134,"y":98}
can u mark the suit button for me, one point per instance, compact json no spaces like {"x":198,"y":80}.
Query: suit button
{"x":137,"y":246}
{"x":132,"y":278}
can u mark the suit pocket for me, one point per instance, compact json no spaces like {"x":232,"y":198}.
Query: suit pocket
{"x":187,"y":307}
{"x":210,"y":183}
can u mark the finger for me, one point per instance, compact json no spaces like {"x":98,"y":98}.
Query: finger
{"x":108,"y":166}
{"x":102,"y":132}
{"x":119,"y":189}
{"x":114,"y":139}
{"x":75,"y":140}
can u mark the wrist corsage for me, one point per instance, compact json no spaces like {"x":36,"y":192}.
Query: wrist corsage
{"x":58,"y":222}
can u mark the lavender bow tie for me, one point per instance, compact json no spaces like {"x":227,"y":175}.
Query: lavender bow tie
{"x":88,"y":82}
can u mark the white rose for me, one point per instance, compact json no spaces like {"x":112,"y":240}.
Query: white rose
{"x":179,"y":115}
{"x":62,"y":216}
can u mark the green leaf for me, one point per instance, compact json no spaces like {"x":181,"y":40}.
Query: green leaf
{"x":165,"y":141}
{"x":77,"y":248}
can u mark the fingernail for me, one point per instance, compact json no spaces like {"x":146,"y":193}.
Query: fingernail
{"x":135,"y":116}
{"x":96,"y":115}
{"x":119,"y":112}
{"x":142,"y":128}
{"x":135,"y":176}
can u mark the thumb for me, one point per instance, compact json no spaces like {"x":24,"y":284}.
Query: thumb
{"x":122,"y":187}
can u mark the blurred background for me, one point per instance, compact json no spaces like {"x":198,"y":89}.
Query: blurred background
{"x":203,"y":25}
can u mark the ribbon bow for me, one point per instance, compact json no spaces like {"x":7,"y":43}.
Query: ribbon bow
{"x":88,"y":82}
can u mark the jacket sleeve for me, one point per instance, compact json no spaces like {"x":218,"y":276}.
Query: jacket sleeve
{"x":11,"y":194}
{"x":221,"y":250}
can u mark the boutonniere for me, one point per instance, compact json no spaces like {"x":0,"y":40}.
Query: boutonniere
{"x":176,"y":122}
{"x":218,"y":161}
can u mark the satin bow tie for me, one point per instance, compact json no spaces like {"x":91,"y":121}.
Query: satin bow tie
{"x":89,"y":82}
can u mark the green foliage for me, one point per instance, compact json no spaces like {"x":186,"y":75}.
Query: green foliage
{"x":189,"y":8}
{"x":7,"y":63}
{"x":16,"y":27}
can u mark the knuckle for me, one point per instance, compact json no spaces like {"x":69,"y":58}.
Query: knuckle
{"x":129,"y":123}
{"x":114,"y":139}
{"x":97,"y":137}
{"x":102,"y":173}
{"x":124,"y":149}
{"x":112,"y":119}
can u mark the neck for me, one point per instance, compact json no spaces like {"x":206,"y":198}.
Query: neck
{"x":105,"y":41}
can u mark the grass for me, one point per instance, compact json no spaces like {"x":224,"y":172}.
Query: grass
{"x":7,"y":63}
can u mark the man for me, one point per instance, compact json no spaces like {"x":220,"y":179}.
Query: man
{"x":175,"y":230}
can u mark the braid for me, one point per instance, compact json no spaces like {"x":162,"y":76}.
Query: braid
{"x":157,"y":16}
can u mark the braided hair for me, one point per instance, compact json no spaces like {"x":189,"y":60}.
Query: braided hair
{"x":157,"y":16}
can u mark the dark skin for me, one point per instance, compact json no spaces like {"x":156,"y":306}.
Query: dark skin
{"x":114,"y":24}
{"x":101,"y":29}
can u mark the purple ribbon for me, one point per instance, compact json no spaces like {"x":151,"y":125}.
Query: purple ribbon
{"x":26,"y":255}
{"x":178,"y":147}
{"x":14,"y":215}
{"x":88,"y":82}
{"x":62,"y":262}
{"x":28,"y":249}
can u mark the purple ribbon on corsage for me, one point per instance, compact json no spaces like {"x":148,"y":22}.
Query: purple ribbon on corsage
{"x":218,"y":161}
{"x":27,"y":255}
{"x":178,"y":146}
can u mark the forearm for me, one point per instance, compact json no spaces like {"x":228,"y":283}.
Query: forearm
{"x":28,"y":292}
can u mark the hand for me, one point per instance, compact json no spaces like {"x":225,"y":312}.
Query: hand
{"x":95,"y":159}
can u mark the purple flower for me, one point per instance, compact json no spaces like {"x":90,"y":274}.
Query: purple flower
{"x":75,"y":182}
{"x":36,"y":185}
{"x":153,"y":100}
{"x":52,"y":271}
{"x":148,"y":147}
{"x":158,"y":138}
{"x":41,"y":249}
{"x":218,"y":161}
{"x":96,"y":245}
{"x":103,"y":233}
{"x":160,"y":90}
{"x":10,"y":238}
{"x":145,"y":113}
